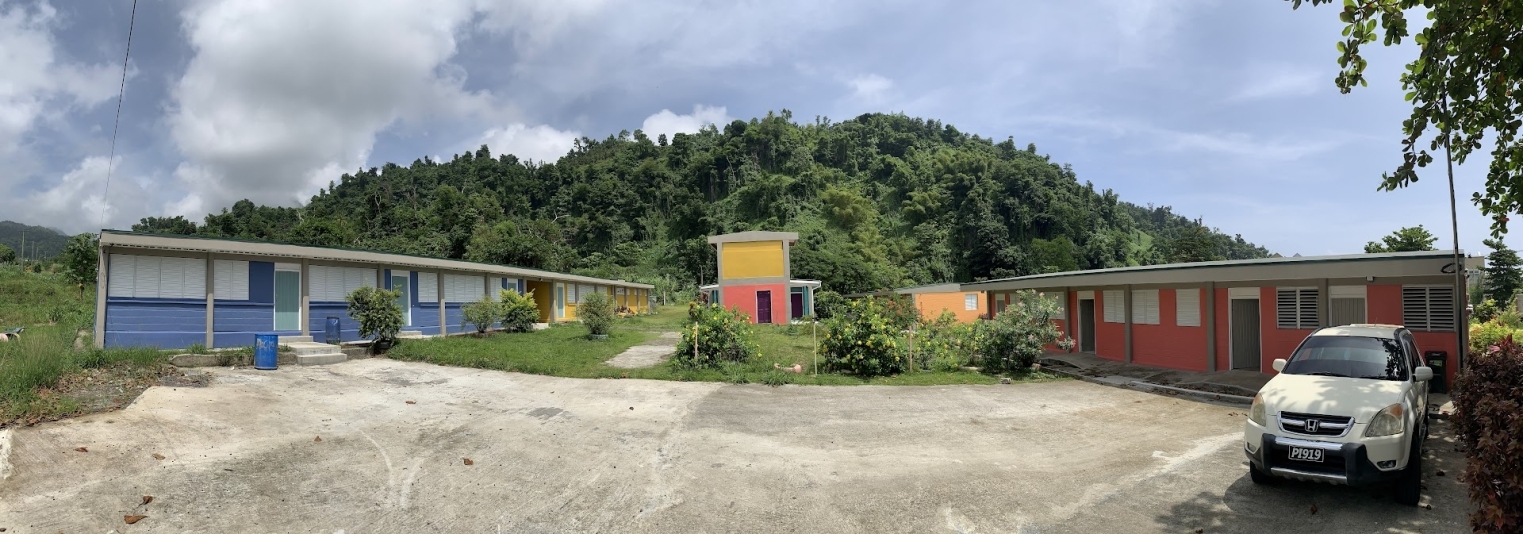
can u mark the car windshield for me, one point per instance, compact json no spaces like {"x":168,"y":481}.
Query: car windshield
{"x":1349,"y":356}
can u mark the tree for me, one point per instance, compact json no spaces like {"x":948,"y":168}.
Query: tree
{"x":81,"y":260}
{"x":377,"y":312}
{"x":1503,"y":275}
{"x":1194,"y":244}
{"x":596,"y":312}
{"x":165,"y":225}
{"x":7,"y":254}
{"x":1409,"y":239}
{"x":1463,"y":82}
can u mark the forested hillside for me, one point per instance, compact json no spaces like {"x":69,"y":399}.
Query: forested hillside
{"x":878,"y":201}
{"x":41,"y":242}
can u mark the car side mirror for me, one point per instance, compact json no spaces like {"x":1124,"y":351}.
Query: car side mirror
{"x":1423,"y":374}
{"x":1279,"y":364}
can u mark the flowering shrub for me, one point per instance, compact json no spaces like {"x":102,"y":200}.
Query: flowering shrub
{"x":944,"y":344}
{"x":1488,"y":405}
{"x":863,"y":339}
{"x":721,"y":336}
{"x":1015,"y":338}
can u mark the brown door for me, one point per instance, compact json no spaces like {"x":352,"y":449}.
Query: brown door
{"x":1087,"y":325}
{"x":764,"y":307}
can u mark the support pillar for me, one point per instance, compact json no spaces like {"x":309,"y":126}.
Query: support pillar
{"x":306,"y":300}
{"x":1210,"y":322}
{"x":211,"y":300}
{"x":1126,"y":299}
{"x":102,"y":273}
{"x":1323,"y":302}
{"x":439,"y":280}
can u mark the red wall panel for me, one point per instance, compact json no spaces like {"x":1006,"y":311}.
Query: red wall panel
{"x":1110,"y":338}
{"x":743,"y":298}
{"x":1383,"y":304}
{"x":1274,"y":342}
{"x":1167,"y":344}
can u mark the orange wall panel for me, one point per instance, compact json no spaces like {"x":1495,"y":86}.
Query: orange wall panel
{"x":932,"y":304}
{"x":1167,"y":344}
{"x":1110,"y":338}
{"x":743,"y":298}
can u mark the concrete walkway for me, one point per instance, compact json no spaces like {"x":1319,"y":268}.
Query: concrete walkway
{"x":1236,"y":382}
{"x":647,"y":355}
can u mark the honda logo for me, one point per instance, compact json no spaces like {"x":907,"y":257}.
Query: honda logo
{"x":1312,"y":426}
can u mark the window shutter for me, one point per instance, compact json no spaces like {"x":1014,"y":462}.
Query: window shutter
{"x":1428,"y":308}
{"x":1441,"y":309}
{"x":1115,"y":305}
{"x":1296,"y":308}
{"x":123,"y":271}
{"x":145,"y":282}
{"x":231,"y":279}
{"x":194,"y":271}
{"x":1145,"y":306}
{"x":428,"y":288}
{"x":1308,"y":308}
{"x":1414,"y":307}
{"x":1187,"y":307}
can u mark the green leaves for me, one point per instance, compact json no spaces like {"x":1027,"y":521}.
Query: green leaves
{"x":377,"y":312}
{"x":720,"y":336}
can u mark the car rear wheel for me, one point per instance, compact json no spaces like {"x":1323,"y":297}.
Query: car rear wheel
{"x":1258,"y":476}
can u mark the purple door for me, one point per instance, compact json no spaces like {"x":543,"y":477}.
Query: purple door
{"x":764,"y":307}
{"x":795,"y":305}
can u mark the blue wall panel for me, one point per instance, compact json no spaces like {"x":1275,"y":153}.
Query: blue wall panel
{"x":453,"y":317}
{"x":246,"y":339}
{"x":262,"y":283}
{"x":243,"y":316}
{"x":162,"y":323}
{"x":349,"y":329}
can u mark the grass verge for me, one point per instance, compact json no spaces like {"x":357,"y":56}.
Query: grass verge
{"x":35,"y":372}
{"x":565,"y":351}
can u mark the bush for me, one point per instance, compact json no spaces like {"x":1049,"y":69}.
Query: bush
{"x":481,"y":314}
{"x":1486,"y":311}
{"x":1484,"y":335}
{"x":1018,"y":336}
{"x":596,"y":311}
{"x":377,"y":312}
{"x":720,"y":336}
{"x":827,"y":303}
{"x":900,"y":311}
{"x":944,"y":345}
{"x":861,"y":338}
{"x":1488,"y":403}
{"x":519,"y":312}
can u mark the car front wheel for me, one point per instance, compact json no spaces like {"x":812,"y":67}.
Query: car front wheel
{"x":1409,"y":487}
{"x":1258,"y":476}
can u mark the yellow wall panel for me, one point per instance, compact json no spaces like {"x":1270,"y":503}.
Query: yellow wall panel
{"x":756,"y":259}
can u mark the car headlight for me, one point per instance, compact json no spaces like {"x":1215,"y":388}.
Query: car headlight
{"x":1388,"y":422}
{"x":1256,"y":413}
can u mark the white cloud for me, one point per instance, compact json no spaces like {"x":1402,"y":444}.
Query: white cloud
{"x":34,"y":81}
{"x":74,"y":201}
{"x":280,"y":96}
{"x":668,"y":123}
{"x":539,"y":143}
{"x":870,"y":89}
{"x":1280,"y":81}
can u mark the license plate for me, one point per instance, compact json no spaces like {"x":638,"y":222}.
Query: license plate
{"x":1305,"y":454}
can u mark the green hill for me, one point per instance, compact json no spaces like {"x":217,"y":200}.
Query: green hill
{"x":41,"y":242}
{"x":878,"y":201}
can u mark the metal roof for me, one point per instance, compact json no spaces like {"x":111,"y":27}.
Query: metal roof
{"x":790,"y":237}
{"x":944,"y":287}
{"x":219,"y":245}
{"x":1389,"y":264}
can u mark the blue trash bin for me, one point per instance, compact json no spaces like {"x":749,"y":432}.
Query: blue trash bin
{"x":330,"y":334}
{"x":266,"y":347}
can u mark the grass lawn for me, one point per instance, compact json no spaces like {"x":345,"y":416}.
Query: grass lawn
{"x":43,"y":378}
{"x":565,"y":351}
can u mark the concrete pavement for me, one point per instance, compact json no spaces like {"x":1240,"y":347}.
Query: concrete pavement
{"x":551,"y":454}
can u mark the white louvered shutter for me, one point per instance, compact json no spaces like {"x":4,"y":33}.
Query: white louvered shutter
{"x":123,"y":273}
{"x":428,"y":288}
{"x":193,"y":272}
{"x":231,"y":279}
{"x":1187,"y":307}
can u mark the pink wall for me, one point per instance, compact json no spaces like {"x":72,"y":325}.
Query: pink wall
{"x":743,"y":298}
{"x":1167,"y":344}
{"x":1274,"y":342}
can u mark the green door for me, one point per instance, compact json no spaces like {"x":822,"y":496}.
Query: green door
{"x":287,"y":300}
{"x":399,"y":283}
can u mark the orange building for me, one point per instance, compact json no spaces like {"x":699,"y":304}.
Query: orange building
{"x":755,"y":277}
{"x":932,"y":300}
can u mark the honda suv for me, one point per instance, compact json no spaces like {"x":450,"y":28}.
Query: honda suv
{"x":1349,"y":407}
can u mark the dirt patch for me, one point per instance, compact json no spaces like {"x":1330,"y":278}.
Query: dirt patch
{"x":102,"y":390}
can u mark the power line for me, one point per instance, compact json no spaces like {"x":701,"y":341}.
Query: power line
{"x":105,"y":198}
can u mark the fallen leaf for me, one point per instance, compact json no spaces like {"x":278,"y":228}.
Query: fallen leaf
{"x":1428,"y":506}
{"x":631,"y":407}
{"x":468,"y":461}
{"x":132,"y":519}
{"x":317,"y":439}
{"x":412,"y":402}
{"x":158,"y":456}
{"x":1313,"y":509}
{"x":1440,"y":472}
{"x":147,"y":499}
{"x":81,"y":449}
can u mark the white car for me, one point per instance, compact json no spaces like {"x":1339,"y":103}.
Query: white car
{"x":1349,"y":407}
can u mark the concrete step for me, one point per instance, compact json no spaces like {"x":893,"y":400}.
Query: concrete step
{"x":286,"y":340}
{"x":321,"y":359}
{"x":308,"y":347}
{"x":410,"y":334}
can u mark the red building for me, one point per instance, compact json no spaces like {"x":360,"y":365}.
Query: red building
{"x":1221,"y":315}
{"x":755,"y":277}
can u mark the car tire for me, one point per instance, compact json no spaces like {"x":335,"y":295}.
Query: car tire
{"x":1259,"y":477}
{"x":1409,"y":487}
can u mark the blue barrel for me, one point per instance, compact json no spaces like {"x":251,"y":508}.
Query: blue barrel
{"x":265,"y":349}
{"x":330,"y":334}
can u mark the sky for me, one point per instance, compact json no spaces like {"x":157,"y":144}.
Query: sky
{"x":1224,"y":110}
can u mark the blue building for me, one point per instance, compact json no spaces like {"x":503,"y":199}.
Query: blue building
{"x":171,"y":291}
